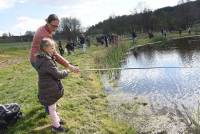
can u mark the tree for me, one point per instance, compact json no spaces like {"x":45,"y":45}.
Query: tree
{"x":9,"y":34}
{"x":70,"y":27}
{"x":29,"y":33}
{"x":181,"y":2}
{"x":169,"y":18}
{"x":70,"y":24}
{"x":5,"y":35}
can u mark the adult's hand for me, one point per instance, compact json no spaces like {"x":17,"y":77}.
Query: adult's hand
{"x":69,"y":66}
{"x":74,"y":69}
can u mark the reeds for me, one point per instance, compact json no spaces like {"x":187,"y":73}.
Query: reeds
{"x":115,"y":54}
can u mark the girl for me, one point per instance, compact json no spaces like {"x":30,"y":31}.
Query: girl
{"x":50,"y":86}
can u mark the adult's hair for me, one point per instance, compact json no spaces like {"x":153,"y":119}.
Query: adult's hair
{"x":51,"y":18}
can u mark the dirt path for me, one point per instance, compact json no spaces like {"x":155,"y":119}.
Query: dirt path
{"x":7,"y":60}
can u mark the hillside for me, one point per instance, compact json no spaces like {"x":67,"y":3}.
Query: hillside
{"x":170,"y":18}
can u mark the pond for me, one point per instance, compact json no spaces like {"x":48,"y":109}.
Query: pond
{"x":164,"y":92}
{"x":164,"y":85}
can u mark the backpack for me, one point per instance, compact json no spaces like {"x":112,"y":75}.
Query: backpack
{"x":9,"y":114}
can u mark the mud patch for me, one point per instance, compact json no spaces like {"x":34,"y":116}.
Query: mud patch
{"x":146,"y":117}
{"x":6,"y":61}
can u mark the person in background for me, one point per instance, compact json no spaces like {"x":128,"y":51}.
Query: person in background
{"x":165,"y":33}
{"x":134,"y":37}
{"x":189,"y":30}
{"x":180,"y":31}
{"x":61,"y":50}
{"x":82,"y":42}
{"x":70,"y":47}
{"x":106,"y":40}
{"x":162,"y":32}
{"x":87,"y":41}
{"x":150,"y":34}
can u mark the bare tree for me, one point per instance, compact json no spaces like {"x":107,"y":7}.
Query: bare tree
{"x":141,"y":6}
{"x":70,"y":27}
{"x":70,"y":24}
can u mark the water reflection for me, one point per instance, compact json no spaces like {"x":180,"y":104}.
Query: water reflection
{"x":166,"y":85}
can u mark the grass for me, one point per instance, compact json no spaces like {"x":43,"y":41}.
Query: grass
{"x":115,"y":54}
{"x":83,"y":107}
{"x":12,"y":47}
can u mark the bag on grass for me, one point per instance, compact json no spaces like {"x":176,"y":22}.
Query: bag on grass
{"x":9,"y":114}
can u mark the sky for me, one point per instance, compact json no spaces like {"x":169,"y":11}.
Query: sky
{"x":19,"y":16}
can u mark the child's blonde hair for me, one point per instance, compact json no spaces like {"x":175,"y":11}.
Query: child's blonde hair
{"x":46,"y":42}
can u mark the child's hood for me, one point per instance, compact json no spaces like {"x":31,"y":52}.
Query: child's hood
{"x":41,"y":58}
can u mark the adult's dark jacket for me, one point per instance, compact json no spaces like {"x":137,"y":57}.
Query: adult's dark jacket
{"x":49,"y":84}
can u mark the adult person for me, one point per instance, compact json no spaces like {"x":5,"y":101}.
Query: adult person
{"x":134,"y":37}
{"x":60,"y":48}
{"x":52,"y":23}
{"x":165,"y":33}
{"x":150,"y":34}
{"x":189,"y":30}
{"x":180,"y":31}
{"x":46,"y":31}
{"x":162,"y":32}
{"x":106,"y":40}
{"x":88,"y":41}
{"x":82,"y":42}
{"x":70,"y":47}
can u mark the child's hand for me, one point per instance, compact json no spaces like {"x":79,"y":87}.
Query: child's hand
{"x":65,"y":73}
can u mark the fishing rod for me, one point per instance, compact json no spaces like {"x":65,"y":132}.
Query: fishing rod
{"x":129,"y":68}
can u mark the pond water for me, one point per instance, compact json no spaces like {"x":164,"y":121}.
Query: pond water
{"x":164,"y":85}
{"x":165,"y":90}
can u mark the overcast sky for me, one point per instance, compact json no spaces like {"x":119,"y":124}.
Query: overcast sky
{"x":19,"y":16}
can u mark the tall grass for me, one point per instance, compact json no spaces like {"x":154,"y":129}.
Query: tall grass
{"x":196,"y":28}
{"x":195,"y":120}
{"x":115,"y":54}
{"x":158,"y":38}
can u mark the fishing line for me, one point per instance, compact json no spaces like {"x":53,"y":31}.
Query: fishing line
{"x":129,"y":68}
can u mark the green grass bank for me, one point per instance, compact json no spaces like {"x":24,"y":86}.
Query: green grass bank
{"x":83,"y":106}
